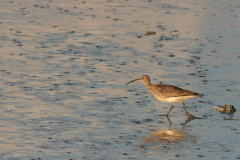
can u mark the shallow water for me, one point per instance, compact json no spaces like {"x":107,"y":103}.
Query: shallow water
{"x":64,"y":66}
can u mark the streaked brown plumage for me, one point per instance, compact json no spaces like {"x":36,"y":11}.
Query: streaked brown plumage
{"x":168,"y":93}
{"x":166,"y":90}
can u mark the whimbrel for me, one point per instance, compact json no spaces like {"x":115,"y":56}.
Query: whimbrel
{"x":168,"y":93}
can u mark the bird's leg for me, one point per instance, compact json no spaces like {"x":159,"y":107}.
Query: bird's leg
{"x":170,"y":123}
{"x":186,"y":112}
{"x":169,"y":109}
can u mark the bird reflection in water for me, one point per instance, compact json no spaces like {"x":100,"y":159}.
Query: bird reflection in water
{"x":168,"y":137}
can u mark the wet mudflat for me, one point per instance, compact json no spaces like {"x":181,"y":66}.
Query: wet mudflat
{"x":64,"y":66}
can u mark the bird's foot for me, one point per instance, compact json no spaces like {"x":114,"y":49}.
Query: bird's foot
{"x":189,"y":115}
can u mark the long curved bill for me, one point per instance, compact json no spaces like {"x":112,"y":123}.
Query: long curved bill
{"x":133,"y":81}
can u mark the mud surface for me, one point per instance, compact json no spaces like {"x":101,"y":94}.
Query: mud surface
{"x":64,"y":66}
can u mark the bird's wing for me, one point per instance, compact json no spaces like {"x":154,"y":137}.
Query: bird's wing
{"x":171,"y":91}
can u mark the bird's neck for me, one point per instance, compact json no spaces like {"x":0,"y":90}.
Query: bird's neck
{"x":147,"y":83}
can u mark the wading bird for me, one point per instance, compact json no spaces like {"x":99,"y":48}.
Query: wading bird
{"x":168,"y":93}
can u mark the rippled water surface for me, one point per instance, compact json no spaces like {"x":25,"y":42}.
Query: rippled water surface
{"x":64,"y":66}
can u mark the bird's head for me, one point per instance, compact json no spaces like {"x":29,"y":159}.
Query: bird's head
{"x":144,"y":79}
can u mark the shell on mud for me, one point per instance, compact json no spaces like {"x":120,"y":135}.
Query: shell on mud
{"x":150,"y":32}
{"x":228,"y":109}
